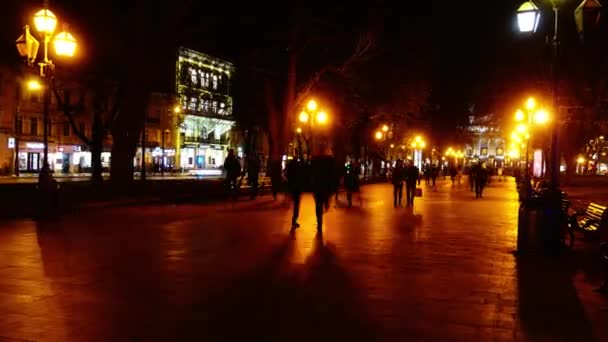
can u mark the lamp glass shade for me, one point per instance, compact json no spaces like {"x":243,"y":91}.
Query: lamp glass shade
{"x":322,"y":117}
{"x":45,"y":21}
{"x":65,"y":44}
{"x":528,"y":16}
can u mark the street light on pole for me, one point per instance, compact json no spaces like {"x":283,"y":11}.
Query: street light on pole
{"x":64,"y":43}
{"x":528,"y":17}
{"x":312,"y":116}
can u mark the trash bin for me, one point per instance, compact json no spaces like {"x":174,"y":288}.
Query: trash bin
{"x":530,"y":226}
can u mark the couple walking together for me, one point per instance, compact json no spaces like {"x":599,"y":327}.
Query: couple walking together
{"x":409,"y":175}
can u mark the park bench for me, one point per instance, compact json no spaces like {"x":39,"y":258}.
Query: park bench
{"x":590,"y":221}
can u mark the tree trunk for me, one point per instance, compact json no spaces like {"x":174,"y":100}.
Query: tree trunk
{"x":126,"y":132}
{"x":121,"y":168}
{"x":96,"y":177}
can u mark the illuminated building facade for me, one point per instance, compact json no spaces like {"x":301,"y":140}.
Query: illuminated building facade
{"x":484,"y":142}
{"x":203,"y":87}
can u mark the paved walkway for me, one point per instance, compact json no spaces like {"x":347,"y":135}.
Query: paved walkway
{"x":441,"y":272}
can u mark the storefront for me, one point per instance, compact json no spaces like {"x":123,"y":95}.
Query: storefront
{"x":202,"y":157}
{"x":30,"y":157}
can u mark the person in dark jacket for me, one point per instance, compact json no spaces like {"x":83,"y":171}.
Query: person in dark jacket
{"x":296,"y":181}
{"x":232,"y":168}
{"x":351,"y":181}
{"x":323,"y":177}
{"x":398,"y":177}
{"x":411,"y":177}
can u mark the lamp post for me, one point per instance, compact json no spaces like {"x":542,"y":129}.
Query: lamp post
{"x":528,"y":17}
{"x":313,"y":117}
{"x":417,"y":146}
{"x":64,"y":43}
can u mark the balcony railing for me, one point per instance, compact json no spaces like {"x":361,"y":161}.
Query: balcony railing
{"x":202,"y":140}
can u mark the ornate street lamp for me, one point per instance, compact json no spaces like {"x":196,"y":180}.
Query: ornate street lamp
{"x":528,"y":17}
{"x":587,"y":15}
{"x":64,"y":43}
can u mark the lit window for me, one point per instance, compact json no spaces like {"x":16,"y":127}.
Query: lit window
{"x":193,"y":76}
{"x":192,"y":105}
{"x":205,"y":105}
{"x":214,"y":81}
{"x":206,"y":80}
{"x":222,"y":107}
{"x":214,"y":108}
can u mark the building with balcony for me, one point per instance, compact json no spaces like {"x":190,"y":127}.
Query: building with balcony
{"x":203,"y":87}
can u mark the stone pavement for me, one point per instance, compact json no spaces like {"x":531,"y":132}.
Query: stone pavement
{"x":443,"y":271}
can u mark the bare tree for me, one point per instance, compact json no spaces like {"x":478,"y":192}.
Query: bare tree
{"x":104,"y":107}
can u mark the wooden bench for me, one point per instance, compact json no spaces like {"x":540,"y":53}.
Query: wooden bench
{"x":590,"y":221}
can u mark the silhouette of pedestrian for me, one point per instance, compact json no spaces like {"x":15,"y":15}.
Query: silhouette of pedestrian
{"x":323,"y":177}
{"x":233,"y":171}
{"x":397,"y":179}
{"x":411,"y":177}
{"x":296,"y":181}
{"x":351,"y":181}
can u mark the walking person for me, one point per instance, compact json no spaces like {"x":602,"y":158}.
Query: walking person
{"x":453,"y":173}
{"x":472,"y":171}
{"x":411,"y":177}
{"x":323,"y":177}
{"x":297,"y":179}
{"x":233,"y":171}
{"x":397,"y":179}
{"x":434,"y":174}
{"x":481,"y":175}
{"x":351,"y":181}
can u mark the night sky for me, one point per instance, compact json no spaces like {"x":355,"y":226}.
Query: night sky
{"x":467,"y":50}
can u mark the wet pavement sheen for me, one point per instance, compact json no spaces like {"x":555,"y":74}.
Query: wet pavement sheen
{"x":442,"y":271}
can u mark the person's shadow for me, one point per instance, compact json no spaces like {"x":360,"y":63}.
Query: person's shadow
{"x":280,"y":300}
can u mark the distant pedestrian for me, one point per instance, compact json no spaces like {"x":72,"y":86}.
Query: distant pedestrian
{"x":434,"y":174}
{"x":480,"y":175}
{"x":232,"y":167}
{"x":411,"y":177}
{"x":397,"y":178}
{"x":297,"y":178}
{"x":351,"y":181}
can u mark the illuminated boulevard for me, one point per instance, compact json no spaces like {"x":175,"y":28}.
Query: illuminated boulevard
{"x":444,"y":271}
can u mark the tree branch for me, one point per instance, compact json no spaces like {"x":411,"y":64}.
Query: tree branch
{"x":69,"y":112}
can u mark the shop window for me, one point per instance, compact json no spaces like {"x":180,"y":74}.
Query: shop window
{"x":66,"y":129}
{"x":34,"y":126}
